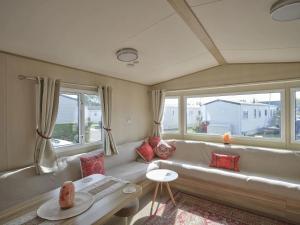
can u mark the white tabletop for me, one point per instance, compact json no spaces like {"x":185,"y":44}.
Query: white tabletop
{"x":162,"y":175}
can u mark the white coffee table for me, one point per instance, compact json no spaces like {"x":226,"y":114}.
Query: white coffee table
{"x":161,"y":176}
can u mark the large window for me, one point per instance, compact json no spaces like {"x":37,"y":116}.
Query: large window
{"x":252,"y":115}
{"x":170,"y":122}
{"x":78,"y":121}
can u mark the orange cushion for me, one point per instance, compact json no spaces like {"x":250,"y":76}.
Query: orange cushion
{"x":230,"y":162}
{"x":154,"y":141}
{"x":92,"y":165}
{"x":145,"y":151}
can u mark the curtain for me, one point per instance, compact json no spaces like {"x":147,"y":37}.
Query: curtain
{"x":158,"y":101}
{"x":46,"y":112}
{"x":105,"y":94}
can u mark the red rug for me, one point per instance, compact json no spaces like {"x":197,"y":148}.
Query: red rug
{"x":191,"y":210}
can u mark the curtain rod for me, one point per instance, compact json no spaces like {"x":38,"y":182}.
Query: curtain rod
{"x":34,"y":78}
{"x":237,"y":85}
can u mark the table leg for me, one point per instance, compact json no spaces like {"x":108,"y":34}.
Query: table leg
{"x":154,"y":197}
{"x":170,"y":193}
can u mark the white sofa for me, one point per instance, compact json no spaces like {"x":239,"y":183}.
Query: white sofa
{"x":269,"y":180}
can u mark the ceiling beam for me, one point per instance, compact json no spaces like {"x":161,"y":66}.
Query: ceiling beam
{"x":186,"y":13}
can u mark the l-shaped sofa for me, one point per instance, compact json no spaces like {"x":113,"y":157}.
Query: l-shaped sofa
{"x":268,"y":181}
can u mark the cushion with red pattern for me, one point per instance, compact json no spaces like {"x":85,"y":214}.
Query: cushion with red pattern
{"x":164,"y":150}
{"x":154,"y":141}
{"x":145,"y":151}
{"x":225,"y":161}
{"x":92,"y":164}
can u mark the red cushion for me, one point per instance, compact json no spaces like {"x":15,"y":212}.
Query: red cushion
{"x":230,"y":162}
{"x":145,"y":151}
{"x":164,"y":150}
{"x":92,"y":165}
{"x":154,"y":141}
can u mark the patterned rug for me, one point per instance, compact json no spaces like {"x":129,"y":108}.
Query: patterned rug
{"x":191,"y":210}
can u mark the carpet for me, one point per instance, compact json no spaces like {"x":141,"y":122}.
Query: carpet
{"x":192,"y":210}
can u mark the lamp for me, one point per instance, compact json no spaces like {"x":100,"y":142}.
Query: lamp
{"x":285,"y":10}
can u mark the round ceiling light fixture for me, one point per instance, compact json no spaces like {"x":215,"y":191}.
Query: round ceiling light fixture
{"x":285,"y":10}
{"x":127,"y":54}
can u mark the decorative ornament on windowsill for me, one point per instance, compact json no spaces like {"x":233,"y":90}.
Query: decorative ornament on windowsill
{"x":227,"y":138}
{"x":66,"y":195}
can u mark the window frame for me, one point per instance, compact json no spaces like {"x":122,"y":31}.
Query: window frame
{"x":81,"y":123}
{"x":293,"y":115}
{"x":282,"y":138}
{"x":179,"y":115}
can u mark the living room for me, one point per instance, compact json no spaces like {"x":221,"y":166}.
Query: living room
{"x":150,"y":112}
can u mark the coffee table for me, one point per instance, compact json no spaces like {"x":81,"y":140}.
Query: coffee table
{"x":161,"y":176}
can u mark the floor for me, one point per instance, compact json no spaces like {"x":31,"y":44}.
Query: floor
{"x":144,"y":210}
{"x":145,"y":206}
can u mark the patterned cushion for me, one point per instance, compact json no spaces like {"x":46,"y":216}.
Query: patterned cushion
{"x":154,"y":141}
{"x":164,"y":150}
{"x":145,"y":151}
{"x":92,"y":165}
{"x":230,"y":162}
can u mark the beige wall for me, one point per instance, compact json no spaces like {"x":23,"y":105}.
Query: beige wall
{"x":233,"y":74}
{"x":17,"y":112}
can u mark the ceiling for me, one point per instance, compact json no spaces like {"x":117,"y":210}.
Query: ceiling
{"x":86,"y":35}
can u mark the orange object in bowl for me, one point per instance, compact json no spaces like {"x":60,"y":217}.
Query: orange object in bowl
{"x":66,"y":195}
{"x":227,"y":138}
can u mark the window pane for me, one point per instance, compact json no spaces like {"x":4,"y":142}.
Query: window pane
{"x":170,"y":117}
{"x":297,"y":116}
{"x":66,"y":130}
{"x":252,"y":115}
{"x":92,"y":118}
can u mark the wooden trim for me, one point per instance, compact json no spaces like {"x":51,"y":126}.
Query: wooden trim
{"x":186,"y":13}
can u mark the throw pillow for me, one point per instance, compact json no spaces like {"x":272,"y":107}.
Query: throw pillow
{"x":92,"y":164}
{"x":145,"y":151}
{"x":154,"y":141}
{"x":230,"y":162}
{"x":164,"y":150}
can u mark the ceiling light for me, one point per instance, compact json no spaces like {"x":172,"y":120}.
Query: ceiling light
{"x":285,"y":10}
{"x":127,"y":54}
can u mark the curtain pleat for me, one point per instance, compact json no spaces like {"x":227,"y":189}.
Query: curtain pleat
{"x":105,"y":94}
{"x":47,"y":100}
{"x":158,"y":102}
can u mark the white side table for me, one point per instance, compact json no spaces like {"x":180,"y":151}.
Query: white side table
{"x":161,"y":176}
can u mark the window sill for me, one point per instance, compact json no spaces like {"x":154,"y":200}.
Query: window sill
{"x":77,"y":149}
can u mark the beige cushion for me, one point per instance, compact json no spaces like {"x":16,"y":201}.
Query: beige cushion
{"x":133,"y":172}
{"x":283,"y":164}
{"x":245,"y":180}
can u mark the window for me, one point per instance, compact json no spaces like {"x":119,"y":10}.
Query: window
{"x":245,"y":114}
{"x":296,"y":115}
{"x":78,"y":120}
{"x":170,"y":122}
{"x":230,"y":113}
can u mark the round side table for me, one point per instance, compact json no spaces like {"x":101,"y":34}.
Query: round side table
{"x":161,"y":176}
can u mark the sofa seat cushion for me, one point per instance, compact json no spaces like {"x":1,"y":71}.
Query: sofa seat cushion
{"x":246,"y":181}
{"x":134,"y":172}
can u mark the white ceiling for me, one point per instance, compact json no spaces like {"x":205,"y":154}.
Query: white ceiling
{"x":86,"y":34}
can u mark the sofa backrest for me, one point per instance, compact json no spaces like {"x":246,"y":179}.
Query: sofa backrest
{"x":255,"y":160}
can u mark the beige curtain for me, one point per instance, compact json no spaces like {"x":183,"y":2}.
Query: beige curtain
{"x":105,"y":94}
{"x":46,"y":112}
{"x":158,"y":101}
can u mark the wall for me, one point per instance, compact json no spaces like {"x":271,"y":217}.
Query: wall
{"x":131,"y":101}
{"x":233,"y":74}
